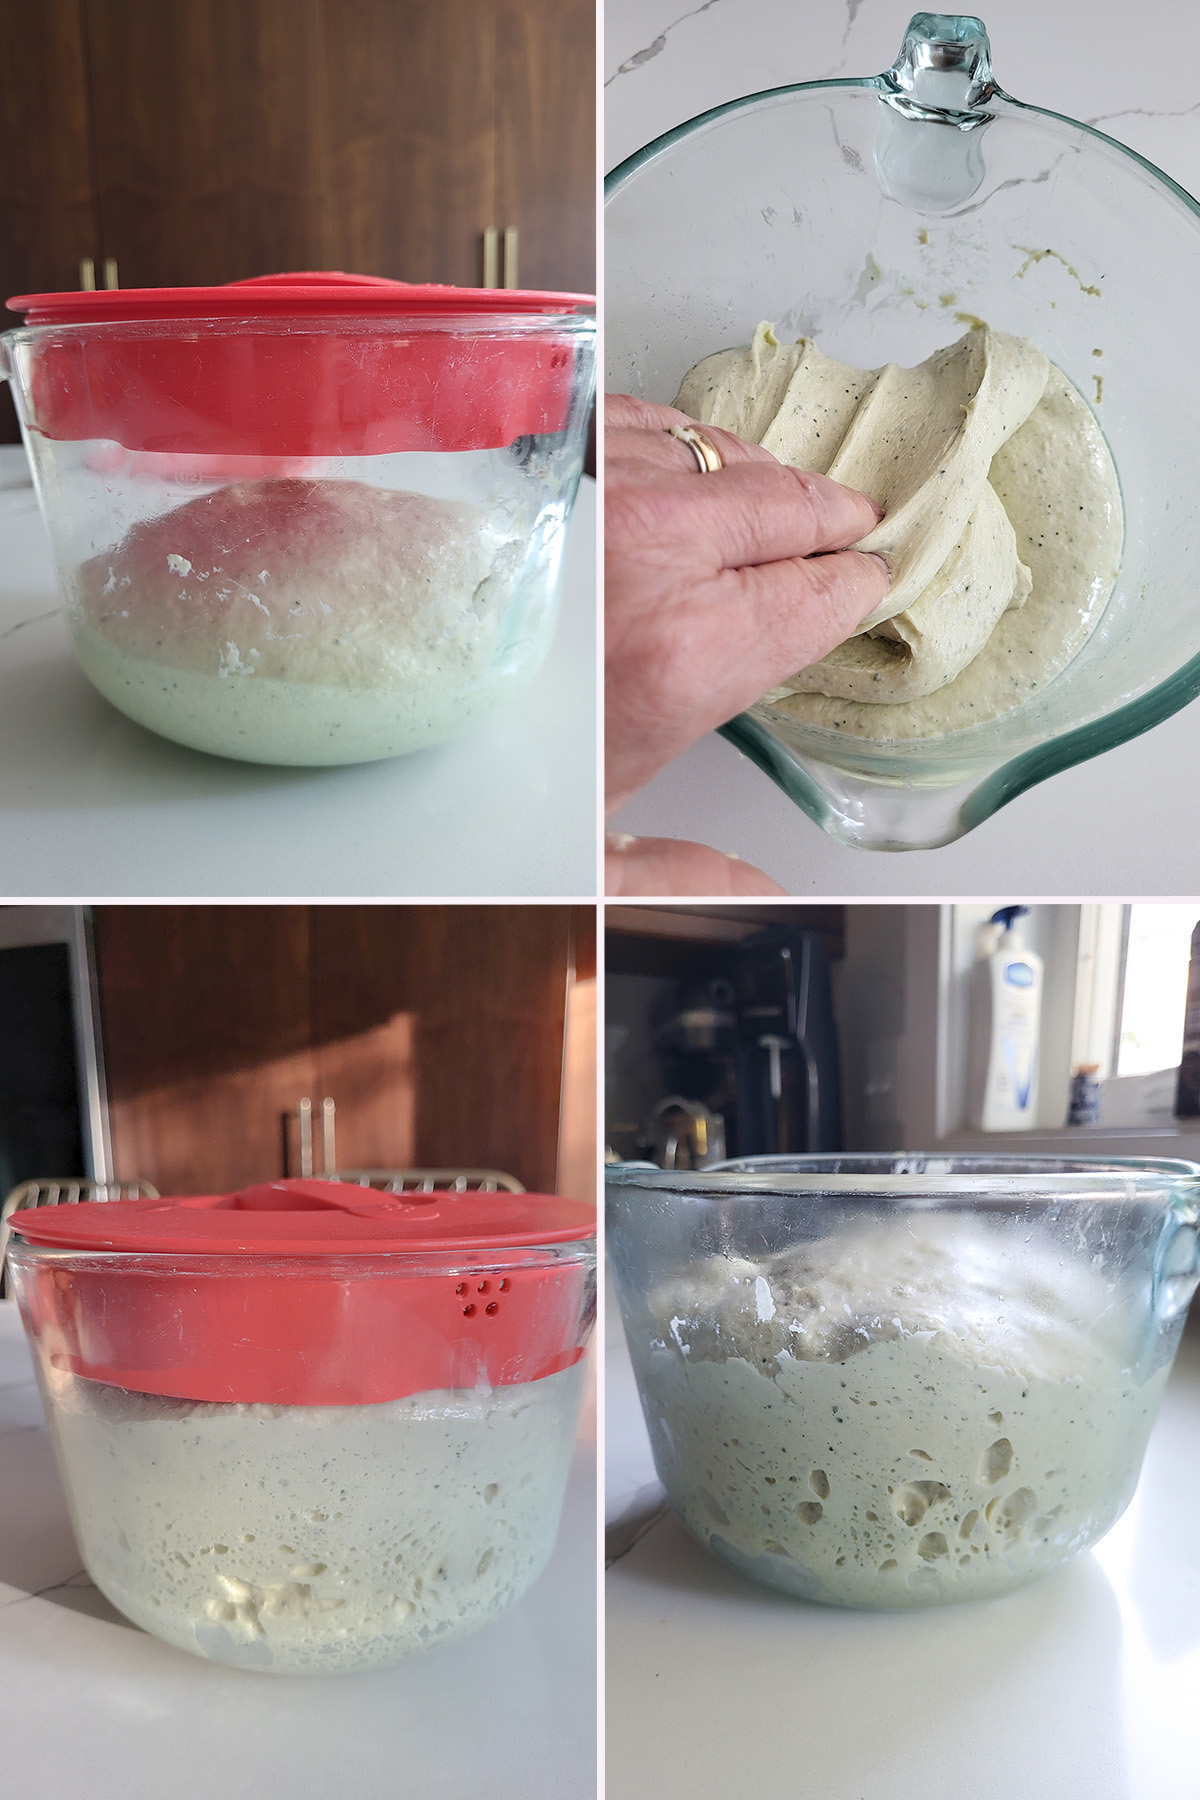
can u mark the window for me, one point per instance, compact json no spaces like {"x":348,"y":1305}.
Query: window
{"x":1113,"y":1003}
{"x":1154,"y":986}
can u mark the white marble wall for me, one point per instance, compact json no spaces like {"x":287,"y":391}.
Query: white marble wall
{"x":1131,"y":71}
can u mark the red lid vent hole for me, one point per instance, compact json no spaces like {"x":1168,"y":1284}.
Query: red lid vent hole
{"x":468,"y":1312}
{"x":485,"y":1287}
{"x":461,"y":1289}
{"x":504,"y":1285}
{"x":491,"y":1307}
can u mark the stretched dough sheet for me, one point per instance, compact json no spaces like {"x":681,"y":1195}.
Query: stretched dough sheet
{"x":1002,"y":524}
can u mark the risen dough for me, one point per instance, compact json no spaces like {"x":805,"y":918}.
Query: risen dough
{"x":914,"y":1410}
{"x":330,"y":582}
{"x":313,"y":622}
{"x":1002,"y":522}
{"x":315,"y":1538}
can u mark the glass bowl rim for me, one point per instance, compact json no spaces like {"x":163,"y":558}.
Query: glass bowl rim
{"x":416,"y":1265}
{"x":630,"y":165}
{"x":490,"y":325}
{"x":974,"y":1177}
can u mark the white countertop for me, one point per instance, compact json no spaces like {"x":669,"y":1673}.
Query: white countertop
{"x":1081,"y":1687}
{"x":1127,"y":822}
{"x":90,"y":803}
{"x":92,"y":1706}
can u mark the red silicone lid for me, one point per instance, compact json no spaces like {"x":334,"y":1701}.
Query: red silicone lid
{"x":306,"y":294}
{"x":311,"y":1218}
{"x":373,"y":367}
{"x":341,"y":1312}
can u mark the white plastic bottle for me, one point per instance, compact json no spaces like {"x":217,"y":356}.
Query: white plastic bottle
{"x":1005,"y":1020}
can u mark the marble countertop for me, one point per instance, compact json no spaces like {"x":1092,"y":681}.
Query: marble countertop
{"x":91,"y":1705}
{"x":664,"y":63}
{"x":91,"y":803}
{"x":1080,"y":1687}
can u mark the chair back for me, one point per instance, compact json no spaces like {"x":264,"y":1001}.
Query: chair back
{"x":62,"y":1190}
{"x":426,"y":1181}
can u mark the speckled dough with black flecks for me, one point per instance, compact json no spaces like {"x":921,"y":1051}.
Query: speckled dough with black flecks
{"x":315,"y":1538}
{"x":1003,"y":521}
{"x":895,"y":1416}
{"x":314,"y":622}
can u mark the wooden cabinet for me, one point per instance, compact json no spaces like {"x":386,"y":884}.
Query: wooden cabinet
{"x":437,"y":1030}
{"x":212,"y":140}
{"x":49,"y":209}
{"x":48,"y":193}
{"x":546,"y":139}
{"x":467,"y":1005}
{"x":410,"y":136}
{"x":207,"y":1027}
{"x":209,"y":124}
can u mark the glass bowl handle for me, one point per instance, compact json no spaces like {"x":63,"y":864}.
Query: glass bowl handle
{"x":1177,"y":1269}
{"x":943,"y":73}
{"x":934,"y":105}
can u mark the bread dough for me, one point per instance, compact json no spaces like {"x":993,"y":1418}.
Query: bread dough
{"x":1002,"y":524}
{"x":922,"y":648}
{"x":901,"y":1414}
{"x":307,"y":621}
{"x":315,"y":1538}
{"x":329,"y":582}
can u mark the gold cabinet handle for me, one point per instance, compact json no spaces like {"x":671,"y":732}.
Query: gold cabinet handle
{"x":304,"y":1117}
{"x":87,"y":275}
{"x":328,"y":1150}
{"x":510,"y":257}
{"x":491,"y":257}
{"x":110,"y":272}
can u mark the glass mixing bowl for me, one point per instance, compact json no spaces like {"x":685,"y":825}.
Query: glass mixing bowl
{"x":303,"y":1428}
{"x":882,"y":216}
{"x":883,"y":1381}
{"x":306,"y":519}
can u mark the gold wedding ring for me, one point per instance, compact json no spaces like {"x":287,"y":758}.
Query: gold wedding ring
{"x":708,"y":457}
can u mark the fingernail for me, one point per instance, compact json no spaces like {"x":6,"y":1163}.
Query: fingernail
{"x":870,"y":502}
{"x":878,"y":559}
{"x":620,"y":841}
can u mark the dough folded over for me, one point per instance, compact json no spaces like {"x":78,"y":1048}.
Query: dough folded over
{"x":923,"y":648}
{"x":920,"y":442}
{"x":1056,"y":481}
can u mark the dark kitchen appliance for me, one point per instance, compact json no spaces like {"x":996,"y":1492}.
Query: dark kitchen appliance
{"x":741,"y":1031}
{"x":53,"y":1119}
{"x":786,"y":1047}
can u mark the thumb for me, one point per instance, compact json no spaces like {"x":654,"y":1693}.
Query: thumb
{"x":673,"y":866}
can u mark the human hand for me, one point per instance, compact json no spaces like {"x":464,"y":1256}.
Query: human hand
{"x":717,"y":586}
{"x":634,"y":865}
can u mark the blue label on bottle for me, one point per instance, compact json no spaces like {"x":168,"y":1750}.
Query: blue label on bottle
{"x":1018,"y":974}
{"x":1019,"y":1064}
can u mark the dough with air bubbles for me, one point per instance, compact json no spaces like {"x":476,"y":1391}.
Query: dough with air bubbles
{"x":316,"y":1538}
{"x":329,"y":582}
{"x":909,"y":1411}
